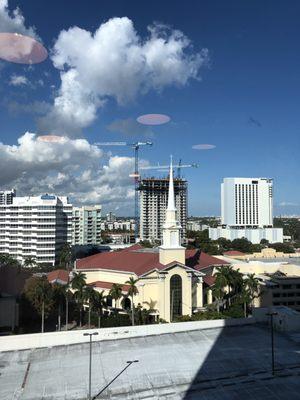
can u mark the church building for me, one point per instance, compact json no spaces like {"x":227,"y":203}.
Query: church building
{"x":170,"y":278}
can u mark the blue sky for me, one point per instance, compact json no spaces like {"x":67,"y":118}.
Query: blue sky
{"x":244,"y":100}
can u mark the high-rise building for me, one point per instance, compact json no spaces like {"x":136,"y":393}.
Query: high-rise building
{"x":6,"y":196}
{"x":247,"y":211}
{"x":153,"y":206}
{"x":86,"y":225}
{"x":247,"y":202}
{"x":110,"y":217}
{"x":36,"y":226}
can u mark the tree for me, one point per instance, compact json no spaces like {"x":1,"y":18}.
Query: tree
{"x":228,"y":277}
{"x":88,"y":296}
{"x":59,"y":298}
{"x":116,"y":292}
{"x":132,"y":291}
{"x":8,"y":260}
{"x":39,"y":292}
{"x":282,"y":247}
{"x":30,"y":262}
{"x":218,"y":293}
{"x":78,"y":283}
{"x":99,"y":302}
{"x":243,"y":245}
{"x":65,"y":256}
{"x":264,"y":242}
{"x":252,"y":284}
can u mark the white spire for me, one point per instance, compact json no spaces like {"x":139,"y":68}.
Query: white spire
{"x":171,"y":201}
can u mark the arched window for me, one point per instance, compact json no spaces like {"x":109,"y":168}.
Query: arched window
{"x":175,"y":296}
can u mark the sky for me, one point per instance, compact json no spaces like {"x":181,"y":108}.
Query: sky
{"x":226,"y":72}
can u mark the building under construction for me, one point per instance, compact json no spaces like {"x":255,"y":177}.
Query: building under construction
{"x":153,"y":205}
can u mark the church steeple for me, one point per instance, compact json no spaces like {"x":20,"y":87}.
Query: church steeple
{"x":171,"y":200}
{"x":171,"y":249}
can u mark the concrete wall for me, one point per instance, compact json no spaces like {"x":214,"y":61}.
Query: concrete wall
{"x":286,"y":319}
{"x":52,"y":339}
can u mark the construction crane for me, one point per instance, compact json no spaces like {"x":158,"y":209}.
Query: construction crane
{"x":166,"y":167}
{"x":135,"y":146}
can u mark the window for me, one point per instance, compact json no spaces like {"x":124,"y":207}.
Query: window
{"x":175,"y":296}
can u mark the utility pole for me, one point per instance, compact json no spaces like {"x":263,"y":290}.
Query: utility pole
{"x":90,"y":363}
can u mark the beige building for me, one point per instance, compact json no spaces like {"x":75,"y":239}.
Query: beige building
{"x":170,"y":277}
{"x":279,"y":280}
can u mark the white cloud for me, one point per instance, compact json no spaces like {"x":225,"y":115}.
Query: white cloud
{"x":69,"y":168}
{"x":288,"y":204}
{"x":14,"y":21}
{"x":115,"y":62}
{"x":18,"y":80}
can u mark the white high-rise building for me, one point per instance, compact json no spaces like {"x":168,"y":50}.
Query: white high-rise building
{"x":36,"y":226}
{"x":247,"y":202}
{"x":247,"y":211}
{"x":6,"y":196}
{"x":86,"y":225}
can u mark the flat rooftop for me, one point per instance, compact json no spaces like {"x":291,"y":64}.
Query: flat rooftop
{"x":209,"y":364}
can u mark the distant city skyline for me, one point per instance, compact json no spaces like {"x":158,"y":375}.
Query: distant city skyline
{"x":227,"y":74}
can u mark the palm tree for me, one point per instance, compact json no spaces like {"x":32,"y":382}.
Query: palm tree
{"x":252,"y":283}
{"x":230,"y":278}
{"x":65,"y":256}
{"x":218,"y":293}
{"x":88,"y":295}
{"x":78,"y":283}
{"x":68,"y":297}
{"x":29,"y":262}
{"x":59,"y":297}
{"x":39,"y":293}
{"x":99,"y":302}
{"x":245,"y":298}
{"x":116,"y":293}
{"x":132,"y":291}
{"x":151,"y":304}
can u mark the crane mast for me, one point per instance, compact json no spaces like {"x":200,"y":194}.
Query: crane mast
{"x":136,"y":146}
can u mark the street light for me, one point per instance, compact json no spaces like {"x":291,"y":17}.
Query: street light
{"x":271,"y":315}
{"x":116,"y":377}
{"x":90,"y":365}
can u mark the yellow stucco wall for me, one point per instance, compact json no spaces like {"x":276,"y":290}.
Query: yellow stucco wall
{"x":156,"y":288}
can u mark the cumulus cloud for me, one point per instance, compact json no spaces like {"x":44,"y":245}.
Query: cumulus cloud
{"x":14,"y":21}
{"x":18,"y":80}
{"x":115,"y":62}
{"x":130,"y":127}
{"x":70,"y":167}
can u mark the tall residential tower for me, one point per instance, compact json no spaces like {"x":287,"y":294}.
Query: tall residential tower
{"x":247,"y":211}
{"x":86,"y":225}
{"x":153,"y":206}
{"x":35,"y":226}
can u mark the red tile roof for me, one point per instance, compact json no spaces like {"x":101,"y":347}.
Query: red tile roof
{"x":107,"y":285}
{"x":209,"y":280}
{"x":135,"y":260}
{"x":58,"y":276}
{"x":233,"y":253}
